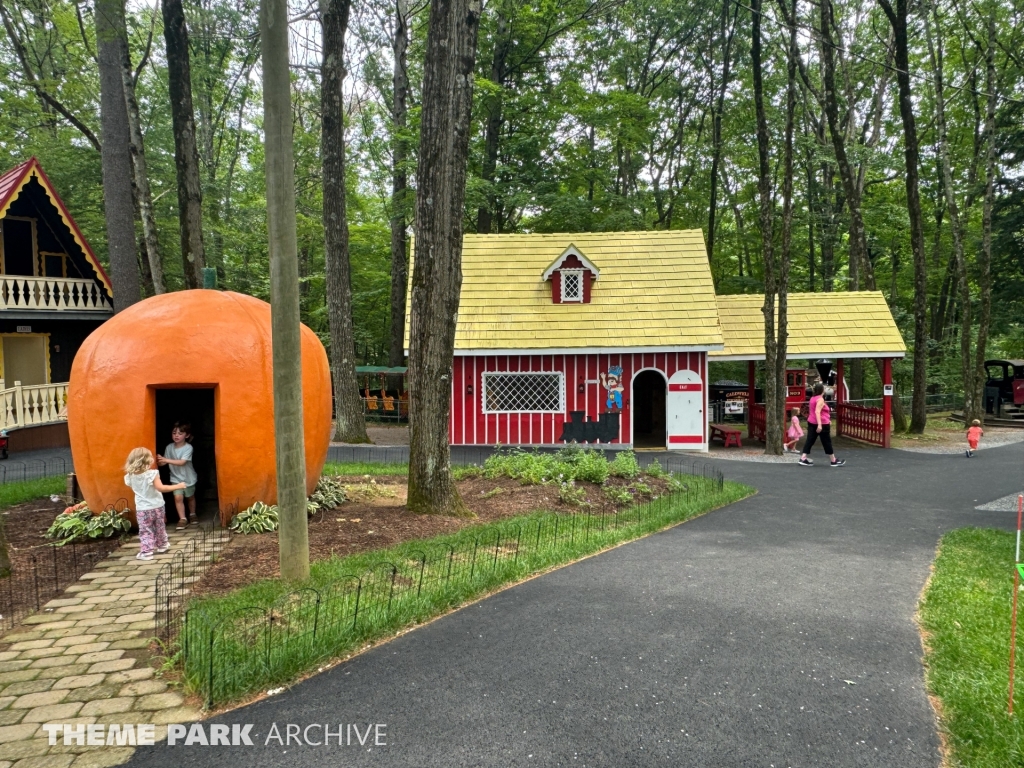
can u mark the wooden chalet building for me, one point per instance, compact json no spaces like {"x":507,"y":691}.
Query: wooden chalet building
{"x":605,"y":338}
{"x":53,"y":293}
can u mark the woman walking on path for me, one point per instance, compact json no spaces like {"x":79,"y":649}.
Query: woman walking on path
{"x":819,"y":423}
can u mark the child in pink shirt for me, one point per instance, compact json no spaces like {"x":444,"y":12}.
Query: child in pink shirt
{"x":794,"y":433}
{"x":974,"y":433}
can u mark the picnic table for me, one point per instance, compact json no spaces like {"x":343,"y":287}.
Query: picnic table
{"x":731,"y":436}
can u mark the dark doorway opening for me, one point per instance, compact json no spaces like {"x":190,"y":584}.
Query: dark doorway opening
{"x":648,"y":405}
{"x":194,"y":406}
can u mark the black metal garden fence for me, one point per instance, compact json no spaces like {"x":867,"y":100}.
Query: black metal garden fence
{"x":230,"y":651}
{"x":33,"y":469}
{"x":43,"y":573}
{"x":174,"y":580}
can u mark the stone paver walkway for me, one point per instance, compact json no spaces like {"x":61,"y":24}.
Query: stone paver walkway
{"x":83,"y":660}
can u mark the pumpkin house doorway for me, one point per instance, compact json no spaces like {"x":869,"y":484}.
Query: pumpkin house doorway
{"x":648,"y":406}
{"x":194,"y":406}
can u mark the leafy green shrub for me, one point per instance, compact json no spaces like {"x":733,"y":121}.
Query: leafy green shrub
{"x":328,"y":494}
{"x":81,"y":523}
{"x":570,"y":494}
{"x":466,"y":473}
{"x":259,"y":518}
{"x":654,"y":470}
{"x":625,"y":465}
{"x":590,"y":466}
{"x":640,"y":488}
{"x":618,"y":495}
{"x":677,"y":484}
{"x":70,"y":526}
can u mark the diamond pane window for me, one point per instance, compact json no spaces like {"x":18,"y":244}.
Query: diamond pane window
{"x":523,"y":393}
{"x":572,"y":284}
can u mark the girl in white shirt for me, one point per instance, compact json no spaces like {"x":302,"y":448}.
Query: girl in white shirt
{"x":149,"y":502}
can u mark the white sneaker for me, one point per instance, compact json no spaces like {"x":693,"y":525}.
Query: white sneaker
{"x":144,"y":556}
{"x":162,"y":550}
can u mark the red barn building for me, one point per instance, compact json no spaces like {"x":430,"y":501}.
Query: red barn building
{"x":591,"y":338}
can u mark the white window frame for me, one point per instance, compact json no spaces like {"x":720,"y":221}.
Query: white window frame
{"x":579,"y":277}
{"x":489,"y":374}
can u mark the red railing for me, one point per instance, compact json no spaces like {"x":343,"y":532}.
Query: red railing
{"x":757,"y":429}
{"x":860,"y":423}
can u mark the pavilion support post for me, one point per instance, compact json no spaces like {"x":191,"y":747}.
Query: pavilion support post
{"x":886,"y":402}
{"x":751,"y":390}
{"x":839,"y":395}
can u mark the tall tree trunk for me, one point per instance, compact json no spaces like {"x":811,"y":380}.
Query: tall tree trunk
{"x":143,"y":194}
{"x":956,"y":226}
{"x":186,"y":153}
{"x":399,"y":185}
{"x":787,"y":220}
{"x":725,"y":34}
{"x":348,"y":408}
{"x":772,"y":416}
{"x":859,"y":263}
{"x":811,"y":213}
{"x":293,"y":535}
{"x":985,"y":256}
{"x":911,"y":153}
{"x":828,"y":235}
{"x":116,"y":158}
{"x":493,"y":108}
{"x":437,"y":271}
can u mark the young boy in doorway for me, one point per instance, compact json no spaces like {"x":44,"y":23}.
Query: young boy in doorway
{"x":974,"y":433}
{"x":178,"y":457}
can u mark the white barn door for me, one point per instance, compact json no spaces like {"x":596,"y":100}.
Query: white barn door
{"x":685,"y":411}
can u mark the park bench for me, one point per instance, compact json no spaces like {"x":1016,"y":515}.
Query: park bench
{"x":728,"y":435}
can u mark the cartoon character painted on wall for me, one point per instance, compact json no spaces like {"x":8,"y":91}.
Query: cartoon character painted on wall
{"x":612,"y":382}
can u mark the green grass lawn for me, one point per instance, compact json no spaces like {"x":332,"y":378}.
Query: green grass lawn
{"x":249,"y":654}
{"x":965,"y":614}
{"x":361,"y":468}
{"x":26,"y":490}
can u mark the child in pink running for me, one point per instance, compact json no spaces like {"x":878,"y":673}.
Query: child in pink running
{"x":149,"y":502}
{"x":794,"y":433}
{"x":974,"y":433}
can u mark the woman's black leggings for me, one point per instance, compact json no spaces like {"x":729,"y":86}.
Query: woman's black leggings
{"x":826,"y":438}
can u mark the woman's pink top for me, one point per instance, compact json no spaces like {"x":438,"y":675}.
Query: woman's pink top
{"x":826,"y":414}
{"x":795,"y":430}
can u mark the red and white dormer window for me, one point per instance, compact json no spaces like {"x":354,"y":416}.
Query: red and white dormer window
{"x":572,"y":276}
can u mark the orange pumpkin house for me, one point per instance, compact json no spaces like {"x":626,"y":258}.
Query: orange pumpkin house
{"x":200,"y":356}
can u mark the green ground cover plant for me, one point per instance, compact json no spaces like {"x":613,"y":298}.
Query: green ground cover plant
{"x":965,"y":619}
{"x":362,"y":468}
{"x":268,"y":633}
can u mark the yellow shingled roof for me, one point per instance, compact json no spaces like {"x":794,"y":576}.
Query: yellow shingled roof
{"x":854,"y":324}
{"x":654,"y":290}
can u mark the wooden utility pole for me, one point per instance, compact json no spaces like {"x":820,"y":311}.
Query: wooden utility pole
{"x":293,"y":536}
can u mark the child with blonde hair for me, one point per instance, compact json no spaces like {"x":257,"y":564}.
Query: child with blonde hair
{"x":794,"y":433}
{"x":149,"y":502}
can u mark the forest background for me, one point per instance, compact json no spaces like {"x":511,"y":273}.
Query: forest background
{"x":589,"y":115}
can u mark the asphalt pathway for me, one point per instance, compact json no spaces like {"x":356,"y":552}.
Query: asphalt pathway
{"x":778,"y":631}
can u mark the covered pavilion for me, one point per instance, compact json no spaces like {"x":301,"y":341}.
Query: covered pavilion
{"x":835,"y":326}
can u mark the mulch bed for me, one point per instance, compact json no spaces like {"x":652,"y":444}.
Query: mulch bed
{"x":364,"y":524}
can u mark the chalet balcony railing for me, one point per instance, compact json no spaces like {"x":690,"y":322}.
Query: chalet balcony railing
{"x":31,"y":406}
{"x":55,"y":294}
